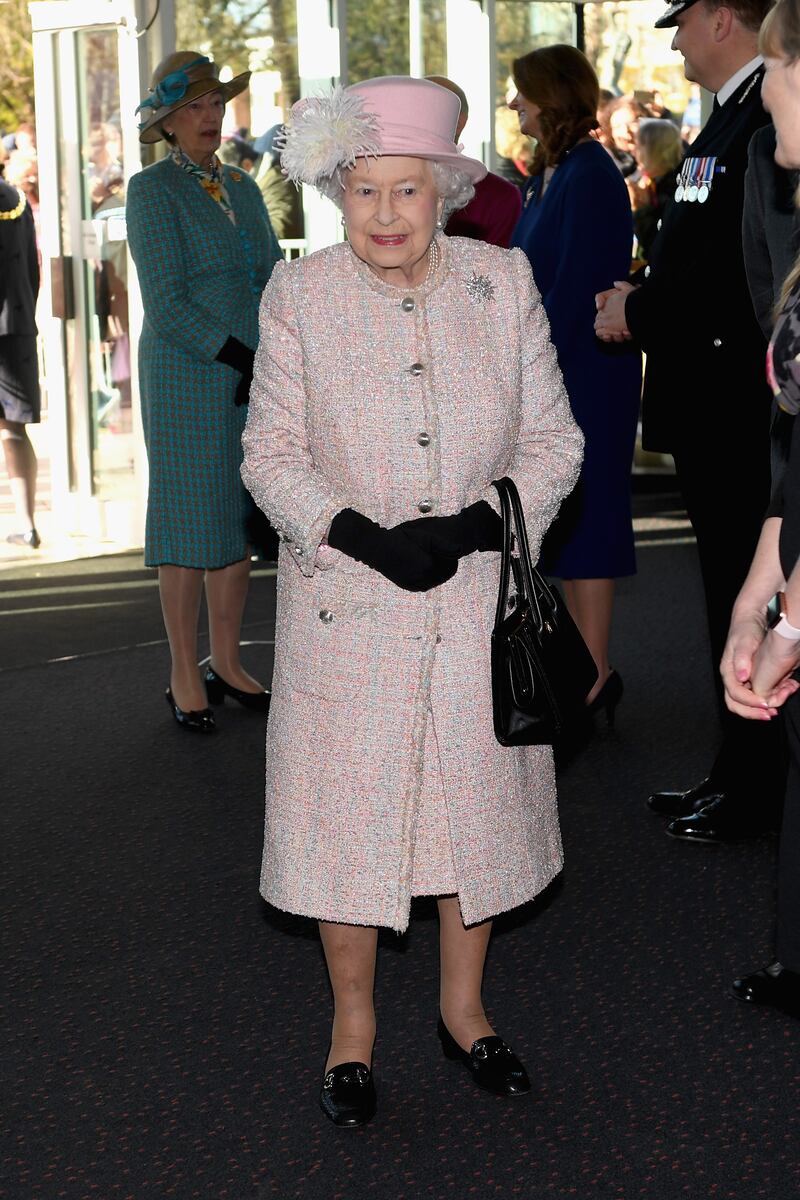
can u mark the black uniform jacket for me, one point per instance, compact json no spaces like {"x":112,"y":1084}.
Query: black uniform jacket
{"x":19,"y":265}
{"x":693,"y":314}
{"x":770,"y":226}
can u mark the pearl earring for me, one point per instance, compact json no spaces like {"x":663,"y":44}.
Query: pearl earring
{"x":438,"y":222}
{"x":344,"y":223}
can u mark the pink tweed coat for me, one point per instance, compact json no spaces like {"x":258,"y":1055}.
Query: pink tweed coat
{"x":384,"y":778}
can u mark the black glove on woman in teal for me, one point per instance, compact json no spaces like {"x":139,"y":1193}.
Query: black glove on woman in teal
{"x":392,"y":552}
{"x":235,"y":354}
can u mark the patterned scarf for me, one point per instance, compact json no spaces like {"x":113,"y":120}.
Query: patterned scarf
{"x":211,"y":181}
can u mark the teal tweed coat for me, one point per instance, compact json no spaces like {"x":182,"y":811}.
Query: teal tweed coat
{"x":201,"y":279}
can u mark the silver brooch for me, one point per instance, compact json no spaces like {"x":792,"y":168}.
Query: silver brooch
{"x":481,"y":288}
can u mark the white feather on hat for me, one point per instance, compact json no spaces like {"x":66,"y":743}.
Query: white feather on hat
{"x":325,"y":134}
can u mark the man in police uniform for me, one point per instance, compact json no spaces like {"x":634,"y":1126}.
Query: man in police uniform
{"x":705,"y":397}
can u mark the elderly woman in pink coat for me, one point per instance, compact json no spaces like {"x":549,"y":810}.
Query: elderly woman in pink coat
{"x":397,"y":375}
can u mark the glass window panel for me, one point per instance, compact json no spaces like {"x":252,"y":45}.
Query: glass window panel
{"x":262,"y":38}
{"x":629,"y":55}
{"x":434,"y":37}
{"x":106,"y":266}
{"x":377,"y":39}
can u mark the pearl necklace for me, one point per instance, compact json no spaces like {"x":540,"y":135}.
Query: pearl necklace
{"x":433,"y":263}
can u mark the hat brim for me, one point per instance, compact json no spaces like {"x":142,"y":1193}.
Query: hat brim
{"x":669,"y":19}
{"x":470,"y":166}
{"x":151,"y":131}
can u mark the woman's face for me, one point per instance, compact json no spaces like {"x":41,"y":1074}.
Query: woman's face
{"x":197,"y":126}
{"x":391,"y":207}
{"x":624,"y":124}
{"x":780,"y":92}
{"x":528,"y":114}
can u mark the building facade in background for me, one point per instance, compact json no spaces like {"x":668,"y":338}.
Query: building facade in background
{"x":92,"y":63}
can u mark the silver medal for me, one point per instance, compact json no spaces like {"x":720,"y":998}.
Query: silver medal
{"x":691,"y":194}
{"x":679,"y":193}
{"x":702,"y":194}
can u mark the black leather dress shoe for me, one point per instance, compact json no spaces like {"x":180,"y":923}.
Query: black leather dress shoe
{"x":719,"y":820}
{"x":682,"y":804}
{"x":217,"y":689}
{"x":199,"y":720}
{"x":773,"y":985}
{"x":347,"y":1096}
{"x":492,"y":1064}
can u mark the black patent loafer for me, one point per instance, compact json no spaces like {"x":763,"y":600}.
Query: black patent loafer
{"x":492,"y":1064}
{"x":721,"y":819}
{"x":774,"y":985}
{"x":195,"y":720}
{"x":347,"y":1096}
{"x":217,"y":689}
{"x":682,"y":804}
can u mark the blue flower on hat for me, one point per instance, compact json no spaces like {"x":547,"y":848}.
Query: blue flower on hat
{"x":172,"y":87}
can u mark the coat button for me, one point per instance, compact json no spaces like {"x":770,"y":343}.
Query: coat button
{"x":659,"y":223}
{"x":424,"y":506}
{"x":424,"y":438}
{"x":416,"y":368}
{"x":717,"y":343}
{"x":325,"y":615}
{"x":407,"y":304}
{"x":647,"y":272}
{"x":438,"y":639}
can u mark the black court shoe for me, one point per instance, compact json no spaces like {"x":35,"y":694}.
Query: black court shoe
{"x":492,"y":1064}
{"x":608,"y":697}
{"x":218,"y":689}
{"x":197,"y":720}
{"x":347,"y":1096}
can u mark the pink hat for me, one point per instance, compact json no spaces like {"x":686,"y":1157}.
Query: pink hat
{"x":391,"y":115}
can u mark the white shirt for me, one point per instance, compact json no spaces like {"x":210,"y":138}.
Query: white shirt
{"x":727,"y":89}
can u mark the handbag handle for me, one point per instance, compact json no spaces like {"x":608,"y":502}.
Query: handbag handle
{"x":534,"y":587}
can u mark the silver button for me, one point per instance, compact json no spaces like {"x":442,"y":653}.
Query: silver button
{"x":407,"y":304}
{"x":298,"y":549}
{"x":717,"y":342}
{"x":325,"y":615}
{"x":416,"y":368}
{"x":659,"y":223}
{"x":647,"y":272}
{"x":424,"y":506}
{"x":424,"y":438}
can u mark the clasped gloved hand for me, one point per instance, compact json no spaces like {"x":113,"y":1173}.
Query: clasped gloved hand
{"x":477,"y":527}
{"x":392,"y":552}
{"x":235,"y":354}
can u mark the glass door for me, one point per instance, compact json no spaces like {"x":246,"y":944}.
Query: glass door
{"x":88,"y":64}
{"x":103,"y":250}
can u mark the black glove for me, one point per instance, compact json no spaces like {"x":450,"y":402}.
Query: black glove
{"x":235,"y":354}
{"x":390,"y":551}
{"x":477,"y":527}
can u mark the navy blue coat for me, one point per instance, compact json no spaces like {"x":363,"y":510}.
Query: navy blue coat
{"x":578,"y":237}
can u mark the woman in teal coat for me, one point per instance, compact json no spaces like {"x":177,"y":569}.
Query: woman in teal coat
{"x":204,"y":249}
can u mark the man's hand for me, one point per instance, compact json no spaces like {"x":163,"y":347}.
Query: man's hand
{"x":610,"y":325}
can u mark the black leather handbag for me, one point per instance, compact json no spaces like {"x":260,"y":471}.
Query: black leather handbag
{"x":542,"y":670}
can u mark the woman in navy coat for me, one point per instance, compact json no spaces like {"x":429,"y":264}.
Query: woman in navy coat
{"x":204,"y":249}
{"x":577,"y":230}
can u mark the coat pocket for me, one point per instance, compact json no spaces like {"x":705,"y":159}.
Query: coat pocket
{"x":344,"y":635}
